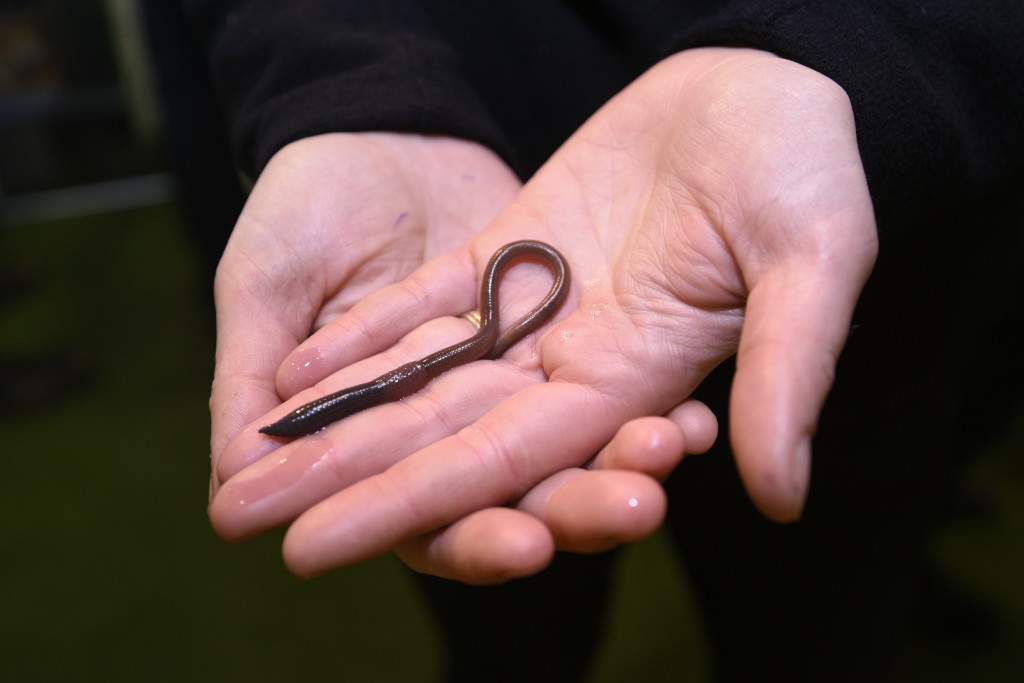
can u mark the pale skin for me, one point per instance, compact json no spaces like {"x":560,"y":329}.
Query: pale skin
{"x":716,"y":206}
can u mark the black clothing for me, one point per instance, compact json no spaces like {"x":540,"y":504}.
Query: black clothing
{"x":938,"y":94}
{"x":936,"y":86}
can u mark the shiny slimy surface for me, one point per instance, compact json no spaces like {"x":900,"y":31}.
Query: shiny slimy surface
{"x":411,"y":377}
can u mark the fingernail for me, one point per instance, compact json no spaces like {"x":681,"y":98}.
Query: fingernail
{"x":277,"y":471}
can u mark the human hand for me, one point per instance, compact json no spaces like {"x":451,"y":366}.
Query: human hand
{"x":716,"y":205}
{"x":310,"y":243}
{"x":331,"y":219}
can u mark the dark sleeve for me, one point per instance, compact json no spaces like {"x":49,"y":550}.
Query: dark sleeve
{"x":937,"y":87}
{"x":288,"y":70}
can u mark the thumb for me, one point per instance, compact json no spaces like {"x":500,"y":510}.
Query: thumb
{"x":797,"y":320}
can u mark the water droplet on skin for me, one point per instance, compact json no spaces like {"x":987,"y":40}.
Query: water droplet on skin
{"x":305,"y":359}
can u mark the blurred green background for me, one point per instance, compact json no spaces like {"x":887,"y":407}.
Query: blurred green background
{"x":110,"y":571}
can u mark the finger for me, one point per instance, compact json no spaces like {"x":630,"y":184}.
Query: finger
{"x":587,"y":511}
{"x":602,"y":509}
{"x":797,"y":321}
{"x":243,"y":384}
{"x":616,"y":500}
{"x":656,"y":445}
{"x":497,"y":544}
{"x":490,"y":546}
{"x":698,"y":425}
{"x":273,"y":490}
{"x":249,"y":445}
{"x":445,"y":286}
{"x":591,"y":511}
{"x":255,"y":330}
{"x":484,"y":465}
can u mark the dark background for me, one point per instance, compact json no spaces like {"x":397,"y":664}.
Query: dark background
{"x":110,"y":571}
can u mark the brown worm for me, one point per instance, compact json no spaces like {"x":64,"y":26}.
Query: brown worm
{"x":411,"y":377}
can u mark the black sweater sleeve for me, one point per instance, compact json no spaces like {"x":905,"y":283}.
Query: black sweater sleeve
{"x":288,"y":70}
{"x":937,"y":86}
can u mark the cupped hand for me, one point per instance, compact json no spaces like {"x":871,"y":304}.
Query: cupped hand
{"x":331,"y":219}
{"x":716,"y":206}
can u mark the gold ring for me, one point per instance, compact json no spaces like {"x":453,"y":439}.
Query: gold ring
{"x":473,"y":317}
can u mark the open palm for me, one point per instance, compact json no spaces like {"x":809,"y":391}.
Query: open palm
{"x":716,"y":206}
